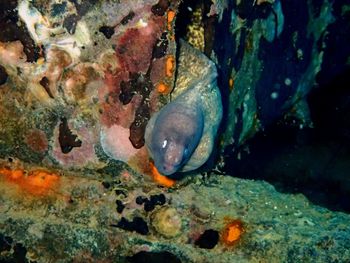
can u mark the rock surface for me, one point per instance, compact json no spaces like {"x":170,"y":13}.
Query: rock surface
{"x":86,"y":220}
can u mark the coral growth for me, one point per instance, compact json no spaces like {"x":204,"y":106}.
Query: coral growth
{"x":232,"y":232}
{"x":100,"y":75}
{"x":35,"y":182}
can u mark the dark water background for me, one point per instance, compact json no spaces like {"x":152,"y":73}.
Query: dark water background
{"x":313,"y":161}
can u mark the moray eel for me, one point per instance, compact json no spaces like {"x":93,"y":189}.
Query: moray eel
{"x":181,"y":136}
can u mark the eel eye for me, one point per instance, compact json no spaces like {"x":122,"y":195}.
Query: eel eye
{"x":165,"y":142}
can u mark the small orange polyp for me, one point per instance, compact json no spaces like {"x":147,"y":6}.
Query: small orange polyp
{"x":232,"y":232}
{"x":41,"y":179}
{"x":231,"y":83}
{"x":6,"y":172}
{"x":162,"y":88}
{"x":170,"y":66}
{"x":161,"y":179}
{"x":17,"y":174}
{"x":12,"y":175}
{"x":37,"y":182}
{"x":170,"y":18}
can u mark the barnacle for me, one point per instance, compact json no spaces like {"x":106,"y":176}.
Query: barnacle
{"x":167,"y":222}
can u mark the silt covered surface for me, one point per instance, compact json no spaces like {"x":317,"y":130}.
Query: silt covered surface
{"x":79,"y":81}
{"x":112,"y":221}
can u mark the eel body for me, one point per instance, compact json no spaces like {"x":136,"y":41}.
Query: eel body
{"x":181,"y":136}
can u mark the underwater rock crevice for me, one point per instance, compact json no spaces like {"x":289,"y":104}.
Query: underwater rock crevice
{"x":66,"y":138}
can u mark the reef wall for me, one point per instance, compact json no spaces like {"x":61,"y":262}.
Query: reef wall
{"x":129,"y":219}
{"x":83,"y":79}
{"x":268,"y":55}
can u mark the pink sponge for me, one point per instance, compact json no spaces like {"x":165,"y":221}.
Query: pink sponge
{"x":116,"y":144}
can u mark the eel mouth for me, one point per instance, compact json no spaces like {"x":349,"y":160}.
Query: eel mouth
{"x":167,"y":169}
